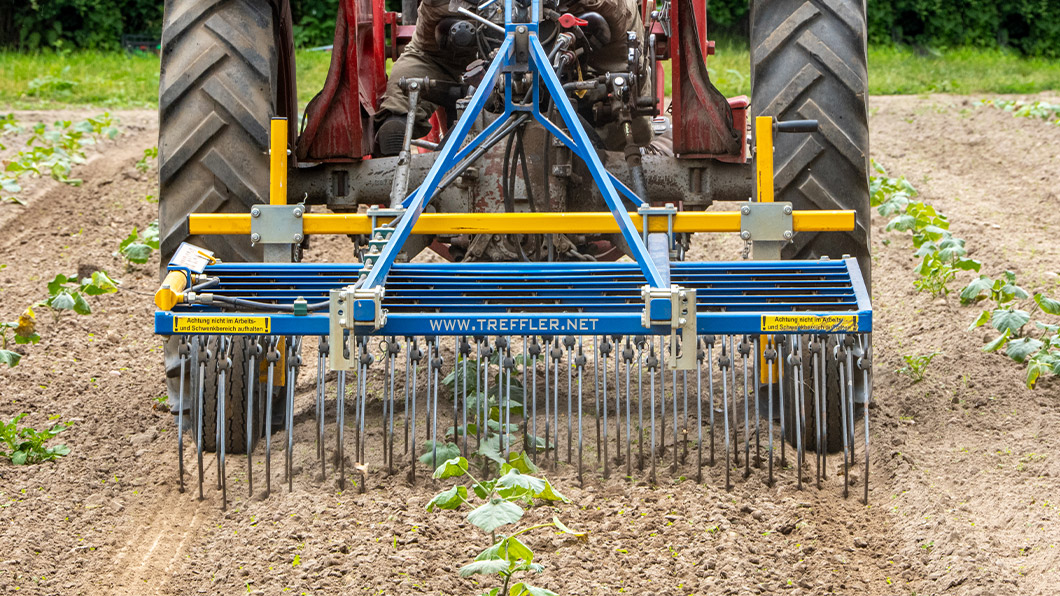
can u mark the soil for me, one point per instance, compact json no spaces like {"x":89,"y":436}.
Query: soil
{"x":964,"y":481}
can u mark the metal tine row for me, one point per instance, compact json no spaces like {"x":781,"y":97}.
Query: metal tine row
{"x":624,"y":369}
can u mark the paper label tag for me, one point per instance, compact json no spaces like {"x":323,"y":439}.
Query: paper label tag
{"x":808,"y":323}
{"x":226,"y":324}
{"x":191,"y":257}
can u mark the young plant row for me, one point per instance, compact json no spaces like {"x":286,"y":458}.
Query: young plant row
{"x":65,"y":294}
{"x":50,"y":151}
{"x":498,"y":504}
{"x":1025,"y":331}
{"x":1050,"y":112}
{"x":25,"y":445}
{"x":942,"y":254}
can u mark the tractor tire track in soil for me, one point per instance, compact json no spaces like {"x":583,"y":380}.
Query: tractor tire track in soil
{"x":964,"y":486}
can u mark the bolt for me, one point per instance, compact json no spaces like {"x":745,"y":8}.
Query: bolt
{"x":298,"y":213}
{"x":255,"y":212}
{"x":520,"y":29}
{"x":746,"y":210}
{"x":787,"y":210}
{"x":787,"y":234}
{"x":255,"y":237}
{"x":745,"y":235}
{"x":682,"y":321}
{"x":619,"y":81}
{"x":298,"y":237}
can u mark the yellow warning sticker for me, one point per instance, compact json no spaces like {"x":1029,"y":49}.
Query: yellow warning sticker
{"x":807,"y":323}
{"x":212,"y":324}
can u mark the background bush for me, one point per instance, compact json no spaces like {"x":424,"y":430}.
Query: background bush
{"x":1029,"y":26}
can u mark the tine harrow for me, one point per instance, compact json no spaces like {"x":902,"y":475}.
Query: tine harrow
{"x":523,"y":348}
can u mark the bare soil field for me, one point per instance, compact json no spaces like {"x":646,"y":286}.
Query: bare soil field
{"x":964,"y":487}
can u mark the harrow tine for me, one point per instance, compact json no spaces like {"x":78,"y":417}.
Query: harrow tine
{"x":204,"y":355}
{"x":745,"y":350}
{"x":384,"y":349}
{"x":800,"y":404}
{"x":684,"y":417}
{"x":568,"y":342}
{"x":735,"y":409}
{"x":661,"y":364}
{"x":673,"y":391}
{"x":848,"y":344}
{"x":865,"y":364}
{"x":596,"y":393}
{"x":604,"y":350}
{"x":340,"y":424}
{"x":579,"y":363}
{"x":295,"y":361}
{"x":640,"y":403}
{"x":366,"y":360}
{"x":534,"y":351}
{"x":322,"y":347}
{"x":840,"y":355}
{"x":653,"y":365}
{"x":615,"y":345}
{"x":408,"y":365}
{"x":504,"y":351}
{"x":224,"y":363}
{"x":465,"y":351}
{"x":700,"y":354}
{"x":781,"y":342}
{"x":429,"y":355}
{"x":770,"y":355}
{"x":724,"y":363}
{"x":628,"y":358}
{"x":456,"y":396}
{"x":272,"y":356}
{"x":183,"y":350}
{"x":393,"y":350}
{"x":709,"y":341}
{"x":548,"y":417}
{"x":756,"y":376}
{"x":255,"y":351}
{"x":816,"y":351}
{"x":415,"y":354}
{"x":436,"y":365}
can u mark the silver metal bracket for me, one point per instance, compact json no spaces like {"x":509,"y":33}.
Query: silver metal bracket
{"x":278,"y":227}
{"x":674,"y":306}
{"x":350,"y":308}
{"x":669,"y":210}
{"x":769,"y":227}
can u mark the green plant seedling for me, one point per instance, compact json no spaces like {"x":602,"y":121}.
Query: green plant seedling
{"x":137,"y":249}
{"x":499,"y":504}
{"x":143,"y":164}
{"x":68,"y":294}
{"x":916,"y":365}
{"x":26,"y":445}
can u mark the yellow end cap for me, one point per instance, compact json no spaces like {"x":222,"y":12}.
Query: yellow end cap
{"x":170,"y":294}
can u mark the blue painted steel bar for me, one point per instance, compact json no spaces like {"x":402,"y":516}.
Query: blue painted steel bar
{"x":592,"y":305}
{"x":492,"y":323}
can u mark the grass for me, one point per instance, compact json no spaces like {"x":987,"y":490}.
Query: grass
{"x":47,"y":80}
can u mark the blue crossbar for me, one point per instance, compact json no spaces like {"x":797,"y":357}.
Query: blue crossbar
{"x":741,"y":297}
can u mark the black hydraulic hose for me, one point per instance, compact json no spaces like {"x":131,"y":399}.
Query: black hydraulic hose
{"x":254,"y":304}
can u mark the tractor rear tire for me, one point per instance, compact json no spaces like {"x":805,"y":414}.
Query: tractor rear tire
{"x":831,"y":415}
{"x":227,"y":68}
{"x":808,"y":61}
{"x":238,"y":380}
